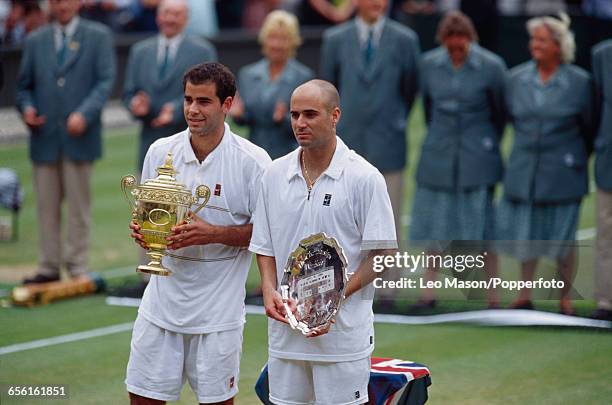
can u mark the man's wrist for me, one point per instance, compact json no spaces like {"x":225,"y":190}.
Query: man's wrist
{"x":268,"y":288}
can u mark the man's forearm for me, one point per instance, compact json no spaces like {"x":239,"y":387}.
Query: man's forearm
{"x":267,"y":269}
{"x":365,"y":274}
{"x":239,"y":235}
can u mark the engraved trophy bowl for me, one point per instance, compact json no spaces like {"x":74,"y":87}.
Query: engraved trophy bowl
{"x":315,"y":278}
{"x":158,"y":205}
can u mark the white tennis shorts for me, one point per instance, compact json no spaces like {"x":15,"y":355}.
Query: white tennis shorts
{"x":297,"y":382}
{"x":161,"y":361}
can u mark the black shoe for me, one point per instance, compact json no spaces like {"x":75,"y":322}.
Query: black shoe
{"x":521,"y":305}
{"x":131,"y":291}
{"x":422,"y":305}
{"x":384,"y":307}
{"x":602,"y":314}
{"x":40,"y":278}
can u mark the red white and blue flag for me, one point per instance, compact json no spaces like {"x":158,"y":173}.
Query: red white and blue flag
{"x":389,"y":378}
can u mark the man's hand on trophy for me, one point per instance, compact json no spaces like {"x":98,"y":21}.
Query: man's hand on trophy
{"x":138,"y":238}
{"x":321,"y":330}
{"x":274,"y":305}
{"x":193,"y":231}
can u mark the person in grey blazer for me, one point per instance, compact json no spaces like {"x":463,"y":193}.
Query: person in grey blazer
{"x":153,"y":90}
{"x":265,"y":86}
{"x":602,"y":73}
{"x":66,"y":75}
{"x":551,"y":107}
{"x":462,"y":86}
{"x":373,"y":61}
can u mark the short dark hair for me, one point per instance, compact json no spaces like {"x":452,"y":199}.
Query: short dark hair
{"x":212,"y":72}
{"x":456,"y":23}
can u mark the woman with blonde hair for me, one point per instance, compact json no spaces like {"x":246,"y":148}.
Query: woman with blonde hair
{"x":550,"y":104}
{"x":265,"y":86}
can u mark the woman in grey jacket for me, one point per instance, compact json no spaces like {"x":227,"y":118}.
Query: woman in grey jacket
{"x":550,"y":103}
{"x":265,"y":86}
{"x":462,"y":86}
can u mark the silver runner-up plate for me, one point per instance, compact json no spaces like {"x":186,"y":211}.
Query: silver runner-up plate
{"x":314,"y":279}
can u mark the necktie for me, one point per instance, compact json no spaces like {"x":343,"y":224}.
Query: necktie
{"x":163,"y":67}
{"x":61,"y":53}
{"x":369,"y":49}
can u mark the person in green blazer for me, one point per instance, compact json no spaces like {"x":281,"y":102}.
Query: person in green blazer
{"x":373,"y":62}
{"x":153,"y":90}
{"x":462,"y":86}
{"x":602,"y":73}
{"x":551,"y":107}
{"x":265,"y":86}
{"x":65,"y":77}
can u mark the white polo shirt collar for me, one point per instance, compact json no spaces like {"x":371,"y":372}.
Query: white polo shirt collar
{"x":189,"y":155}
{"x":335,"y":168}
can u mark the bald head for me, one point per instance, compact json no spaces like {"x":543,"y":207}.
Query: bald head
{"x":315,"y":114}
{"x":181,"y":4}
{"x":322,"y":90}
{"x":172,"y":17}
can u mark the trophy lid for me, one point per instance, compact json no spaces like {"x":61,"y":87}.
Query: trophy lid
{"x":166,"y":179}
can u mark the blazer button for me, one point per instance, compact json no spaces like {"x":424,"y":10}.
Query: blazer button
{"x":61,"y":82}
{"x":487,"y":143}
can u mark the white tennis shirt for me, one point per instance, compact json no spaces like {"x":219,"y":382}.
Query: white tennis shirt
{"x":204,"y":297}
{"x":350,"y":203}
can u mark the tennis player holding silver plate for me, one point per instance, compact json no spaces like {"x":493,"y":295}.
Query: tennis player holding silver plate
{"x":314,"y":279}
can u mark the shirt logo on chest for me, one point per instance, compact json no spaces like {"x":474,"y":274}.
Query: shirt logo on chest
{"x":217,"y":190}
{"x":327,"y":200}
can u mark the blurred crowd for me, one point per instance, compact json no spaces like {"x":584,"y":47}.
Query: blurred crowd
{"x":559,"y":113}
{"x":19,"y":17}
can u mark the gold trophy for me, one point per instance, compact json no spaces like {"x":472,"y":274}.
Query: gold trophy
{"x":157,"y":206}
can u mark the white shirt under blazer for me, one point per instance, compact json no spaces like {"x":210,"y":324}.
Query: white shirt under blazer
{"x":348,"y":202}
{"x":203,"y":297}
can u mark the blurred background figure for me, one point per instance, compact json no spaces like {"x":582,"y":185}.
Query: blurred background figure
{"x":143,"y":16}
{"x":255,"y":12}
{"x":265,"y":86}
{"x":326,"y":12}
{"x":373,"y":61}
{"x":291,"y":6}
{"x":203,"y":20}
{"x":550,"y":103}
{"x":114,"y":13}
{"x":482,"y":13}
{"x":415,"y":7}
{"x":598,"y":8}
{"x":510,"y":7}
{"x":153,"y":88}
{"x":462,"y":87}
{"x":543,"y":7}
{"x":24,"y":17}
{"x":66,"y":75}
{"x":602,"y":74}
{"x":5,"y":10}
{"x":13,"y":30}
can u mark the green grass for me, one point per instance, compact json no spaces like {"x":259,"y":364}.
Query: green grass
{"x":469,"y":365}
